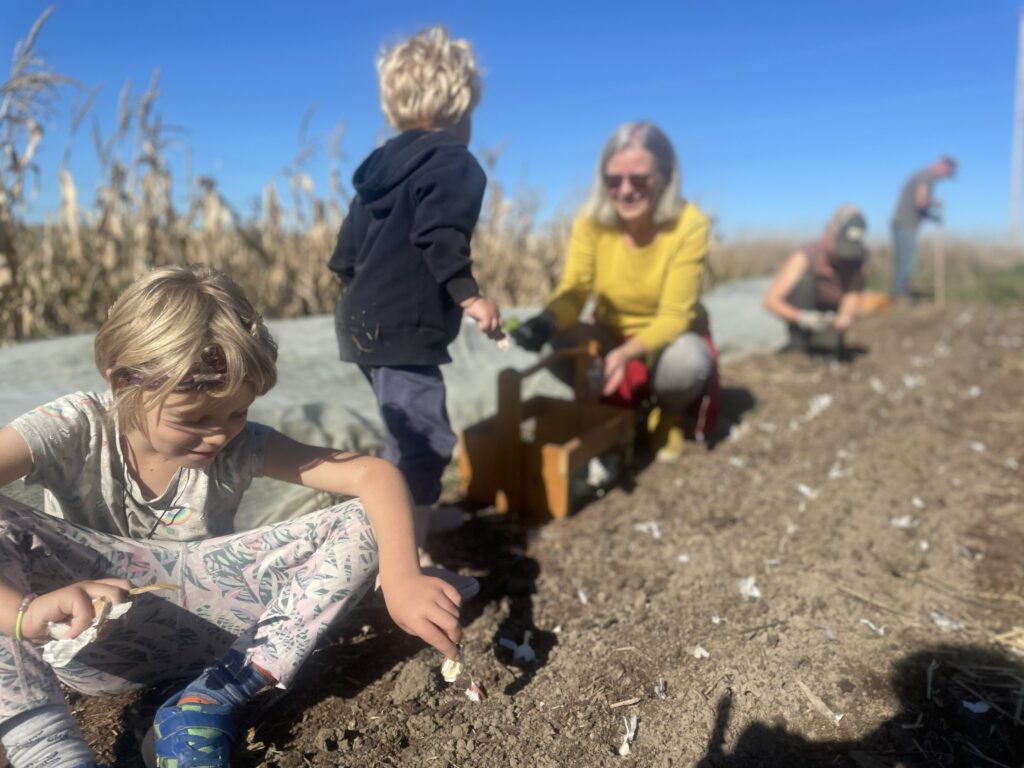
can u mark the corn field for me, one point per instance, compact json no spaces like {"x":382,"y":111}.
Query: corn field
{"x":59,"y":276}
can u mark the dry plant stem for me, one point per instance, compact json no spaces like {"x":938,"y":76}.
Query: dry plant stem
{"x":967,"y":597}
{"x":152,"y":588}
{"x":978,"y":753}
{"x":708,"y":691}
{"x":820,"y":706}
{"x":625,"y":703}
{"x":755,"y":631}
{"x":881,"y":606}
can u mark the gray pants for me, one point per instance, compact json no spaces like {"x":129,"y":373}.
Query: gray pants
{"x":680,"y":372}
{"x":418,"y":436}
{"x":904,"y":258}
{"x":804,"y":295}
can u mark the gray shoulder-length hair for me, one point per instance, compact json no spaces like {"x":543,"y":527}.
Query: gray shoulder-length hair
{"x":599,"y":206}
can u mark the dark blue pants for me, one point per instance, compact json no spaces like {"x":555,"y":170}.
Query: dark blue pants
{"x":418,"y":436}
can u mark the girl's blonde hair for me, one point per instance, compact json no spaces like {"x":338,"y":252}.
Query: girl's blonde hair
{"x":428,"y":81}
{"x":599,"y":206}
{"x":169,"y":325}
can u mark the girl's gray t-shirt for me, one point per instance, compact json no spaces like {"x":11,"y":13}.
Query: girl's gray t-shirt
{"x":76,"y":457}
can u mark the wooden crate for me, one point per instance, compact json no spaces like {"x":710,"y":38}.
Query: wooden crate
{"x":522,"y":458}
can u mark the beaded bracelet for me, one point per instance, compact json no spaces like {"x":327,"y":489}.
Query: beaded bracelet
{"x":21,"y":615}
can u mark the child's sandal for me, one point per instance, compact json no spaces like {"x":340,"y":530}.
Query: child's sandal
{"x":190,"y":736}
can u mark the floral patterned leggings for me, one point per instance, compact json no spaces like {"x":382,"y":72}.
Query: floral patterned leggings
{"x":270,"y":593}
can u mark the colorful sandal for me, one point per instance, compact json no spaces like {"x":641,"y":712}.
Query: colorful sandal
{"x":191,"y":735}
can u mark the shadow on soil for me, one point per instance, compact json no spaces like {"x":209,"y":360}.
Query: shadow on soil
{"x":942,"y":691}
{"x":494,"y":548}
{"x":736,"y":401}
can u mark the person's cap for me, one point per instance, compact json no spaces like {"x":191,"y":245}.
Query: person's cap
{"x":848,"y":228}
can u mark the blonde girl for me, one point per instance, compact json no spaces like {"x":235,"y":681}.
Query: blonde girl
{"x":141,"y":487}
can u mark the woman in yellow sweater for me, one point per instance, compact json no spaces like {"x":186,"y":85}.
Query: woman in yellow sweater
{"x":640,"y":249}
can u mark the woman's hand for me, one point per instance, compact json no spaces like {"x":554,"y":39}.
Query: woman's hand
{"x":615,"y":364}
{"x":535,"y":332}
{"x":428,"y":608}
{"x":71,"y":604}
{"x":614,"y":371}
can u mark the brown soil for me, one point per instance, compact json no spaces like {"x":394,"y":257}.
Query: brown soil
{"x":905,"y":435}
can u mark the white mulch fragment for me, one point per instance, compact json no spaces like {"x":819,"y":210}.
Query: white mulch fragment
{"x":977,"y":707}
{"x":748,"y":588}
{"x":630,"y":735}
{"x":880,"y":631}
{"x":648,"y":526}
{"x":946,"y":623}
{"x":806,"y":491}
{"x":911,"y":381}
{"x":817,"y":405}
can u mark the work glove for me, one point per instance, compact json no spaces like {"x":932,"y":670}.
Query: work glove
{"x":535,"y":332}
{"x":814,"y":320}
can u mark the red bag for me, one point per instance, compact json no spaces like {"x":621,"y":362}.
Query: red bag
{"x":635,"y":389}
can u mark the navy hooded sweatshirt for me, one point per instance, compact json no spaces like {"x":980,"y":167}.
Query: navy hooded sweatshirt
{"x":403,"y":251}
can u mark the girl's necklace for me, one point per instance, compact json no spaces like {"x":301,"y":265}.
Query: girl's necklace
{"x":126,"y":493}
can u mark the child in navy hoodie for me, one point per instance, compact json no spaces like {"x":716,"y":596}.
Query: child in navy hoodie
{"x":403,"y":253}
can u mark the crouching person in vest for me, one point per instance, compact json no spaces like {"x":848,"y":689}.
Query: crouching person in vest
{"x":817,"y":291}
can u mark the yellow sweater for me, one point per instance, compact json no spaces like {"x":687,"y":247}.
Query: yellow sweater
{"x":650,"y":293}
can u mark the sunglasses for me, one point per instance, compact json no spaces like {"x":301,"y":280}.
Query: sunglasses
{"x":640,"y":182}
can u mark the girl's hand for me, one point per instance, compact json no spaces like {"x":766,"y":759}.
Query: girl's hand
{"x":428,"y":608}
{"x":614,"y":372}
{"x":71,"y":604}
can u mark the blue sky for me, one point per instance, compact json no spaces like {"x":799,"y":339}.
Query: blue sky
{"x":779,"y":111}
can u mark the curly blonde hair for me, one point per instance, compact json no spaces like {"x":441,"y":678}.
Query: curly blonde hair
{"x":172,"y":320}
{"x":428,"y":81}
